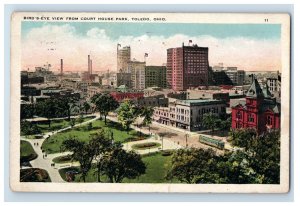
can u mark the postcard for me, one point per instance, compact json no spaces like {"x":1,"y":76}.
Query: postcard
{"x":150,"y":102}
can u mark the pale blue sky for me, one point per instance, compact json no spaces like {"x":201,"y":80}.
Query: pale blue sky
{"x":114,"y":30}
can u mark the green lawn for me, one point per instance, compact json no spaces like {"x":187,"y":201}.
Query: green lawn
{"x":57,"y":124}
{"x":53,"y":143}
{"x":27,"y":152}
{"x":156,"y":164}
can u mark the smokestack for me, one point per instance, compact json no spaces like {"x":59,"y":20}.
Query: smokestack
{"x":89,"y":66}
{"x":61,"y":67}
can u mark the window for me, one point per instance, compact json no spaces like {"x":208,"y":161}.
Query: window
{"x":250,"y":118}
{"x":238,"y":115}
{"x":269,"y":120}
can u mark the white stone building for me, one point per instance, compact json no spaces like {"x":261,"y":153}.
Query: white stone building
{"x":137,"y":70}
{"x":187,"y":114}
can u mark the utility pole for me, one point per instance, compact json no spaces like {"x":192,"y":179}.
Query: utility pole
{"x":186,"y":139}
{"x":162,"y":142}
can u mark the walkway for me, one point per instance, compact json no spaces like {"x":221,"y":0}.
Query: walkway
{"x":45,"y":163}
{"x":170,"y":135}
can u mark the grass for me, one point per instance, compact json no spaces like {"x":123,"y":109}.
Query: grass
{"x":82,"y":133}
{"x":56,"y":125}
{"x":60,"y":124}
{"x":34,"y":175}
{"x":147,"y":145}
{"x":27,"y":152}
{"x":157,"y":166}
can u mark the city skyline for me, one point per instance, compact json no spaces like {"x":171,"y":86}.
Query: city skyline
{"x":231,"y":44}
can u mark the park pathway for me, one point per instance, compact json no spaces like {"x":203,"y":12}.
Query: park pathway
{"x":45,"y":162}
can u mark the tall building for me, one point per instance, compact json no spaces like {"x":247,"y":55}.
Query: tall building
{"x":187,"y":67}
{"x":137,"y":70}
{"x":240,"y":77}
{"x":236,"y":76}
{"x":259,"y":111}
{"x":123,"y":57}
{"x":156,"y":76}
{"x":124,"y":79}
{"x":109,"y":79}
{"x":274,"y":83}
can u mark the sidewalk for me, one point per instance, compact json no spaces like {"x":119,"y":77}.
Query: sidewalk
{"x":45,"y":163}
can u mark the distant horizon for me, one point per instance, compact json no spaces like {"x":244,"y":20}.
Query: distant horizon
{"x":250,"y":47}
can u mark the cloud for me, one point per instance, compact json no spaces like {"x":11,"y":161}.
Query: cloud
{"x":51,"y":43}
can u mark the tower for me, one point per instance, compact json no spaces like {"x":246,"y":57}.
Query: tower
{"x":61,"y":68}
{"x":187,"y":67}
{"x":123,"y":57}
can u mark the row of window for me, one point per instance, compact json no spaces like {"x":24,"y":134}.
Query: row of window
{"x":251,"y":118}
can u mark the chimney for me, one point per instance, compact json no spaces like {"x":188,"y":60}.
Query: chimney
{"x":89,"y":66}
{"x":61,"y":67}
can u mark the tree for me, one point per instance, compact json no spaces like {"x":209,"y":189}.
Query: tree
{"x":72,"y":122}
{"x":225,"y":125}
{"x":263,"y":152}
{"x":89,"y":126}
{"x":192,"y":166}
{"x":82,"y":152}
{"x":86,"y":107}
{"x":210,"y":121}
{"x":242,"y":137}
{"x":147,"y":113}
{"x":265,"y":156}
{"x":48,"y":109}
{"x":235,"y":168}
{"x":27,"y":128}
{"x":80,"y":119}
{"x":27,"y":111}
{"x":127,"y":114}
{"x":101,"y":145}
{"x":104,"y":104}
{"x":119,"y":164}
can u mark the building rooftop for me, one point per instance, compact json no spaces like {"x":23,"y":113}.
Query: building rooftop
{"x":195,"y":102}
{"x":255,"y":89}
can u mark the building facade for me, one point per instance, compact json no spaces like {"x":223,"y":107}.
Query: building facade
{"x":156,"y":76}
{"x":121,"y":96}
{"x":123,"y":57}
{"x":274,"y":84}
{"x":187,"y":67}
{"x":137,"y":70}
{"x":153,"y":101}
{"x":124,"y":79}
{"x":109,"y":79}
{"x":188,"y":114}
{"x":259,"y":111}
{"x":236,"y":76}
{"x":208,"y":94}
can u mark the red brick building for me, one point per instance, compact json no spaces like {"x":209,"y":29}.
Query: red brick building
{"x":187,"y":67}
{"x":120,"y":96}
{"x":259,"y":111}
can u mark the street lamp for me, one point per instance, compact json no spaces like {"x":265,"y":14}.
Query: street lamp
{"x":186,"y":139}
{"x":162,"y":142}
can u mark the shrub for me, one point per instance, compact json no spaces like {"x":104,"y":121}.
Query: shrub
{"x":146,"y":145}
{"x":166,"y":152}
